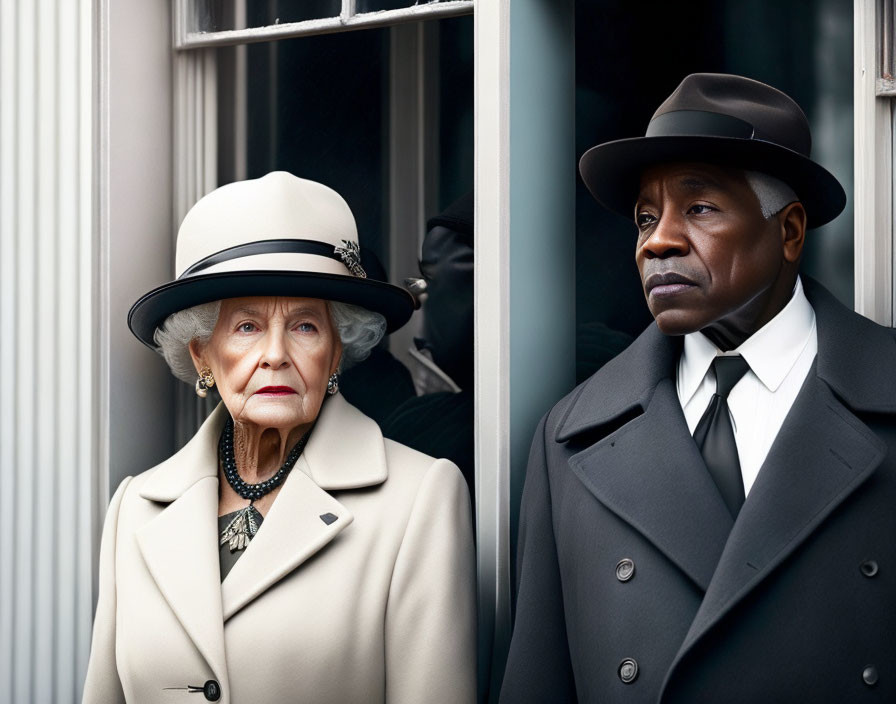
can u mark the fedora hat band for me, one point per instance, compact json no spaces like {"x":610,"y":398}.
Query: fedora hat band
{"x":699,"y":123}
{"x":284,"y":255}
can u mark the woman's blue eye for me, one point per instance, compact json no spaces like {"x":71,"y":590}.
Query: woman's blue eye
{"x":305,"y":327}
{"x":246,"y":327}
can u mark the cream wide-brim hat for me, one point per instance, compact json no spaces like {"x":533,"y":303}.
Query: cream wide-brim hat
{"x":278,"y":235}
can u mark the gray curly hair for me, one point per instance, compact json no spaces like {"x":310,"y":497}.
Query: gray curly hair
{"x":359,"y":329}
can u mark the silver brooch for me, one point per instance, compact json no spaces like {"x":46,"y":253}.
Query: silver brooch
{"x":241,"y":529}
{"x":350,"y":253}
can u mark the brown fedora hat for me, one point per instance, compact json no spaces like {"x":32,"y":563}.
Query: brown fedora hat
{"x":718,"y":119}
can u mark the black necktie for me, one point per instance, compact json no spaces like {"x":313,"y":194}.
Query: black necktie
{"x":715,"y":436}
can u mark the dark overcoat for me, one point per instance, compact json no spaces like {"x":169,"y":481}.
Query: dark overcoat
{"x":795,"y":601}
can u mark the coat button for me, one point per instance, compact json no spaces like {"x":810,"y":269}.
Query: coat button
{"x":628,"y":670}
{"x":869,"y":568}
{"x":869,"y":675}
{"x":212,"y":691}
{"x":625,"y":570}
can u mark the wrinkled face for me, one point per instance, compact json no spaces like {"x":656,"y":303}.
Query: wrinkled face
{"x":271,"y":358}
{"x":707,"y":256}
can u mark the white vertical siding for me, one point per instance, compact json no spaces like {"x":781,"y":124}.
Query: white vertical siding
{"x":48,"y":426}
{"x":195,"y":174}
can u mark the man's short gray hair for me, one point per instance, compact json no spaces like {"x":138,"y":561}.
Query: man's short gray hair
{"x":773,"y":194}
{"x":359,"y":329}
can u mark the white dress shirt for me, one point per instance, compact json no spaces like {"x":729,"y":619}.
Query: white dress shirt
{"x":780,"y":355}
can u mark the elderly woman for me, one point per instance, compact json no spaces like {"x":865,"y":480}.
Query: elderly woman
{"x":288,"y":552}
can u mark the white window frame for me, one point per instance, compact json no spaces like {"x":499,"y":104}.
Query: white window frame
{"x":185,"y":36}
{"x":875,"y":125}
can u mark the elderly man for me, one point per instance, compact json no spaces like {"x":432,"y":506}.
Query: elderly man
{"x":712,"y":516}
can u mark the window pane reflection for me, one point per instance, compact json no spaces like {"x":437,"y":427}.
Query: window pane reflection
{"x":224,"y":15}
{"x":385,"y":118}
{"x":379,"y":5}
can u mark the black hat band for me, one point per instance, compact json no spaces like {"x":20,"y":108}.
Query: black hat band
{"x":694,"y":123}
{"x":345,"y":254}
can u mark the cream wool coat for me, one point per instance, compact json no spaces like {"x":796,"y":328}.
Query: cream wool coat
{"x":376,"y":606}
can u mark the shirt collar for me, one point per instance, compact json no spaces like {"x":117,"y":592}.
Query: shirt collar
{"x":771,"y":351}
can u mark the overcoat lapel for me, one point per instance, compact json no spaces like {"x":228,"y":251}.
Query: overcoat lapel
{"x":180,"y":547}
{"x":305,"y":518}
{"x":180,"y":544}
{"x":649,"y":472}
{"x":293,"y":531}
{"x":822,"y":454}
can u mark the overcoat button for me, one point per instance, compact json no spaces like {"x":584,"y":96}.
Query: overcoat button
{"x":625,"y":570}
{"x":212,"y":691}
{"x":869,"y":674}
{"x":628,"y":670}
{"x":869,"y":568}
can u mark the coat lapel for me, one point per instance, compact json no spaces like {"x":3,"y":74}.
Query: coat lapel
{"x":180,"y":545}
{"x":821,"y":455}
{"x":345,"y":451}
{"x":293,"y":531}
{"x":648,"y":471}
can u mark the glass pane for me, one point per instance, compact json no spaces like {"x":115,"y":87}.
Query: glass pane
{"x":321,"y":107}
{"x":316,"y":109}
{"x":378,"y":5}
{"x":223,"y":15}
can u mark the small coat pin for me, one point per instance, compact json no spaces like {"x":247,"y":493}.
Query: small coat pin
{"x":328,"y":518}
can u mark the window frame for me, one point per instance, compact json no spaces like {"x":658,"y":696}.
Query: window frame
{"x":187,"y":38}
{"x":875,"y":125}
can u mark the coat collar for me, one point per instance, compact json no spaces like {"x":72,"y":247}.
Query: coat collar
{"x":343,"y":436}
{"x":632,"y":407}
{"x":330,"y":461}
{"x":856,"y":359}
{"x":180,"y":544}
{"x":626,"y":382}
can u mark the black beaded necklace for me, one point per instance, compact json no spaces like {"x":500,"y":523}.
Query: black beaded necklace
{"x":244,"y":525}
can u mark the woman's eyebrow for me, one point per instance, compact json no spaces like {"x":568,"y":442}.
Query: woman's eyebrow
{"x":303,"y":310}
{"x":245,"y":310}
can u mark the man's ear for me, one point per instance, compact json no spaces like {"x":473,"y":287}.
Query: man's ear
{"x":793,"y":230}
{"x":196,"y":352}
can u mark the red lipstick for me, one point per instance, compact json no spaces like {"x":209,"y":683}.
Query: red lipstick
{"x":276,"y":390}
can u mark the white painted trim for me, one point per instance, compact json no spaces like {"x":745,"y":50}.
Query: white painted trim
{"x":102,"y":489}
{"x":135,"y":206}
{"x":874,"y":197}
{"x":184,"y":39}
{"x":195,"y":154}
{"x":491,"y":47}
{"x":413,"y":158}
